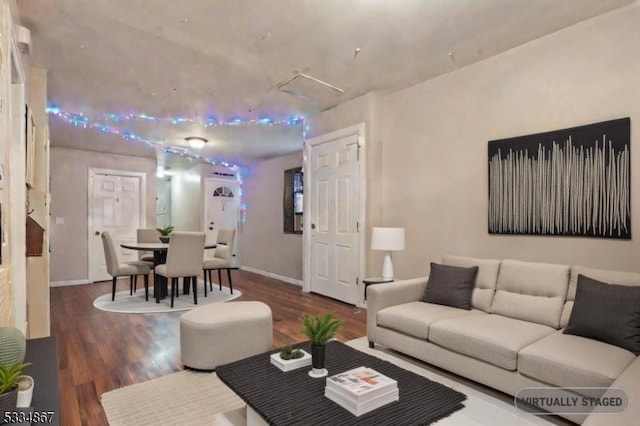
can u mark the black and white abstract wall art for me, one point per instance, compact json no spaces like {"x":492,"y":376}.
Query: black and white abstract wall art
{"x":571,"y":182}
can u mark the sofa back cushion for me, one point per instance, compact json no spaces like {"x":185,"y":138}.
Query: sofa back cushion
{"x":486,"y":278}
{"x":531,"y":291}
{"x":605,"y":275}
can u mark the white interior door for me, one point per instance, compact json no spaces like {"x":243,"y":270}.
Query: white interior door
{"x":222,"y":210}
{"x":114,"y":206}
{"x":334,"y":207}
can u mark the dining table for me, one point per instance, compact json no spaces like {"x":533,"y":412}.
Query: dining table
{"x":159,"y":251}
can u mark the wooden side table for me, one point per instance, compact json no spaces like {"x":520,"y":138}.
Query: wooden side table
{"x":375,"y":280}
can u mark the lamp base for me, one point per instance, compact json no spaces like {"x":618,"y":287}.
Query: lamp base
{"x":387,"y":267}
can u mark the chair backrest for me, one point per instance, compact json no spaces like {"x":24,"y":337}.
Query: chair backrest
{"x":224,"y":244}
{"x":184,"y":256}
{"x":110,"y":254}
{"x":146,"y":235}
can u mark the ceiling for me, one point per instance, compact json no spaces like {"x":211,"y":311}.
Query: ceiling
{"x":226,"y":60}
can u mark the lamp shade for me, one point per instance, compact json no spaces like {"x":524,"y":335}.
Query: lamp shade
{"x":389,"y":239}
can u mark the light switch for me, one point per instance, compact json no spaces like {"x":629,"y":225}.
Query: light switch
{"x":59,"y":220}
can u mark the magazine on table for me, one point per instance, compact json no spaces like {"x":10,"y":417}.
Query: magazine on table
{"x":360,"y":408}
{"x":361,"y":384}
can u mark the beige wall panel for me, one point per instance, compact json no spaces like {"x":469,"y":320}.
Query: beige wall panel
{"x":436,"y":133}
{"x":69,"y":199}
{"x":38,"y":267}
{"x":263,"y":244}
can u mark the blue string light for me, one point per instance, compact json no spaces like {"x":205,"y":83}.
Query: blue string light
{"x":210,"y":121}
{"x":102,"y":125}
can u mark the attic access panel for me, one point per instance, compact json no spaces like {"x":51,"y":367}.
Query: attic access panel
{"x":310,"y":88}
{"x":570,"y":182}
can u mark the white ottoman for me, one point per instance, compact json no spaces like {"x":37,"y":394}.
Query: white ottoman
{"x":221,"y":333}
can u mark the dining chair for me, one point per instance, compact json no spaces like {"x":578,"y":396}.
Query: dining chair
{"x":184,"y":260}
{"x":221,"y":259}
{"x":128,"y":269}
{"x":147,"y":235}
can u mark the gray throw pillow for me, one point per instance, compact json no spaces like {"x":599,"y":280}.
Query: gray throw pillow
{"x":606,"y":312}
{"x":450,"y":285}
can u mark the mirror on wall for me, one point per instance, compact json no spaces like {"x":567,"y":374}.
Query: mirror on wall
{"x":293,"y":200}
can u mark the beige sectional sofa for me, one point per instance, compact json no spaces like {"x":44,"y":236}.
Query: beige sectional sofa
{"x":512,"y":337}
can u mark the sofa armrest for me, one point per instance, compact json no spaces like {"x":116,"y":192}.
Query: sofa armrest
{"x":382,"y":296}
{"x":628,"y":381}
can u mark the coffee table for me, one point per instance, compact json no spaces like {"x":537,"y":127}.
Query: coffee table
{"x":293,"y":398}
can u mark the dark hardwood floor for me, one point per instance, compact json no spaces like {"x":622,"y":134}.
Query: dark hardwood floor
{"x":99,"y":351}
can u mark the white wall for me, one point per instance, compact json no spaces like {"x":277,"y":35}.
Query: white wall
{"x":436,"y":133}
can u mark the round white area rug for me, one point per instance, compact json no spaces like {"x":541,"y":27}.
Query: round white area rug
{"x":137,"y":305}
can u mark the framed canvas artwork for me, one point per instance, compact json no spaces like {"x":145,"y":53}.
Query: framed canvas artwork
{"x":571,"y":182}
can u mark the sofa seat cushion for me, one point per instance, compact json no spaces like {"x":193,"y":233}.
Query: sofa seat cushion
{"x":574,"y":361}
{"x":491,"y":338}
{"x":414,"y":318}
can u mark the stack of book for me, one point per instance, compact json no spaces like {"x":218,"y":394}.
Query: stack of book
{"x":361,"y":390}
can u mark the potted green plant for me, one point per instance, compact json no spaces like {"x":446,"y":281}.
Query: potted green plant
{"x":289,"y":352}
{"x":9,"y":375}
{"x":290,"y":358}
{"x":319,"y":329}
{"x":165,"y":232}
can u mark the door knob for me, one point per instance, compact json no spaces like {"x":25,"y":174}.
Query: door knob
{"x":97,"y":232}
{"x":313,"y":226}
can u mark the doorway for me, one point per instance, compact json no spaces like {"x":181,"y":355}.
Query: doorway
{"x":222,"y":210}
{"x":334,"y":182}
{"x":115,"y":205}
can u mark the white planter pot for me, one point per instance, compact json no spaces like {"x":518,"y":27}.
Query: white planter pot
{"x":291,"y":364}
{"x":25,"y":391}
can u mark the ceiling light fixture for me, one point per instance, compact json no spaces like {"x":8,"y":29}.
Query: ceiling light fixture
{"x":196,"y":141}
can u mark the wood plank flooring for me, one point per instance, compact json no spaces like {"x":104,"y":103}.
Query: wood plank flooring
{"x":99,"y":351}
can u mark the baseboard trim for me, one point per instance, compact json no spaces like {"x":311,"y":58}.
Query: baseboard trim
{"x":67,"y":283}
{"x":272,"y":275}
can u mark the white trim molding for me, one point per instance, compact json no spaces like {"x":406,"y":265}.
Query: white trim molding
{"x":272,"y":275}
{"x":68,"y":283}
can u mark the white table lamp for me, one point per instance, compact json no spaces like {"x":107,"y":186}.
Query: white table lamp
{"x":387,"y":239}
